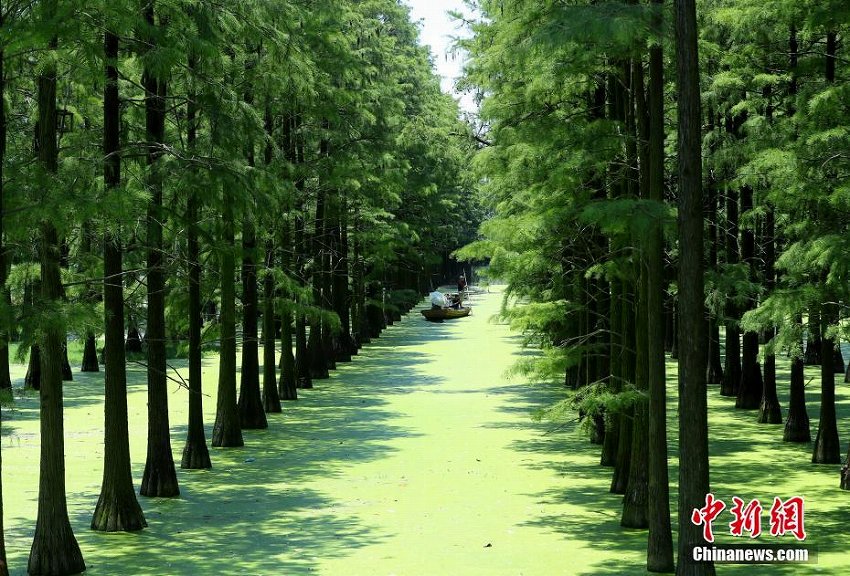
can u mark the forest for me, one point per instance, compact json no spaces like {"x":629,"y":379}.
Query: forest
{"x":671,"y":178}
{"x":172,"y":170}
{"x":661,"y":188}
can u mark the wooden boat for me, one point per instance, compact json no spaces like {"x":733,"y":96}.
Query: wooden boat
{"x":440,"y":314}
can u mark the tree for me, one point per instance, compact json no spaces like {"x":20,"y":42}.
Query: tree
{"x":160,"y":477}
{"x":5,"y":379}
{"x":660,"y":545}
{"x":693,"y":408}
{"x":251,"y":412}
{"x":54,"y":549}
{"x":117,"y":508}
{"x":196,"y":455}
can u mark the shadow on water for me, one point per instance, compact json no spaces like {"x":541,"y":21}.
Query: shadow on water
{"x":256,"y":511}
{"x":748,"y":459}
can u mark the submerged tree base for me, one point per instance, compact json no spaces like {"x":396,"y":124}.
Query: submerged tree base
{"x":196,"y":455}
{"x":770,"y":412}
{"x":227,"y":434}
{"x":90,"y":361}
{"x":160,"y":480}
{"x":55,"y":552}
{"x":118,"y":513}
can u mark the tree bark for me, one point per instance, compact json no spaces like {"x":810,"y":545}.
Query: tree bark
{"x":271,"y":397}
{"x":32,"y":379}
{"x":303,"y":378}
{"x":659,"y":555}
{"x":5,"y":379}
{"x":117,"y":508}
{"x":133,"y":345}
{"x":90,"y":362}
{"x":54,"y":549}
{"x":315,"y":344}
{"x":732,"y":370}
{"x":341,"y":290}
{"x":813,"y":340}
{"x":714,"y":373}
{"x":827,"y":448}
{"x":770,"y":411}
{"x":227,"y":431}
{"x":797,"y":424}
{"x":287,"y":384}
{"x":160,"y":477}
{"x":693,"y":405}
{"x":251,"y":413}
{"x":750,"y":388}
{"x":196,"y":454}
{"x":635,"y":324}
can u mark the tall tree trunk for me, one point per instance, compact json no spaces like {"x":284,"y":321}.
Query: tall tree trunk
{"x":827,"y":448}
{"x":341,"y":291}
{"x":251,"y":413}
{"x":303,"y":378}
{"x":769,"y":411}
{"x":635,"y":323}
{"x":227,"y":431}
{"x":714,"y":373}
{"x":361,"y":327}
{"x":5,"y":379}
{"x":797,"y":424}
{"x":32,"y":379}
{"x":287,"y":385}
{"x":117,"y":508}
{"x":813,"y":339}
{"x":659,"y":555}
{"x":732,"y":370}
{"x":160,"y":477}
{"x":693,"y":404}
{"x":316,"y":345}
{"x":271,"y":397}
{"x":750,"y":389}
{"x":196,"y":455}
{"x":617,"y":441}
{"x":54,"y":549}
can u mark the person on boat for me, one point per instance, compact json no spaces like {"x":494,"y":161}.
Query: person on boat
{"x":438,"y":300}
{"x":461,"y":284}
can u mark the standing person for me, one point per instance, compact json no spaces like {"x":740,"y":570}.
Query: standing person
{"x":461,"y":284}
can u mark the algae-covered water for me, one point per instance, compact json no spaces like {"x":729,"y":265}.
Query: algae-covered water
{"x":418,"y":458}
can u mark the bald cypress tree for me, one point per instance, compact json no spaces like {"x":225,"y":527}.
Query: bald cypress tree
{"x":117,"y":508}
{"x":196,"y":455}
{"x":160,"y":476}
{"x":54,"y":549}
{"x":5,"y":379}
{"x":693,"y":408}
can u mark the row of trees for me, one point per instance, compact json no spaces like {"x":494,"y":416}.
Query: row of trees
{"x":582,"y":176}
{"x":168,"y":165}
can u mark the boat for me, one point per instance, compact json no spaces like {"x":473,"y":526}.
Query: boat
{"x":440,"y":314}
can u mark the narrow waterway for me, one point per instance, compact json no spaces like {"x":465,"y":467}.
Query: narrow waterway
{"x":420,"y":457}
